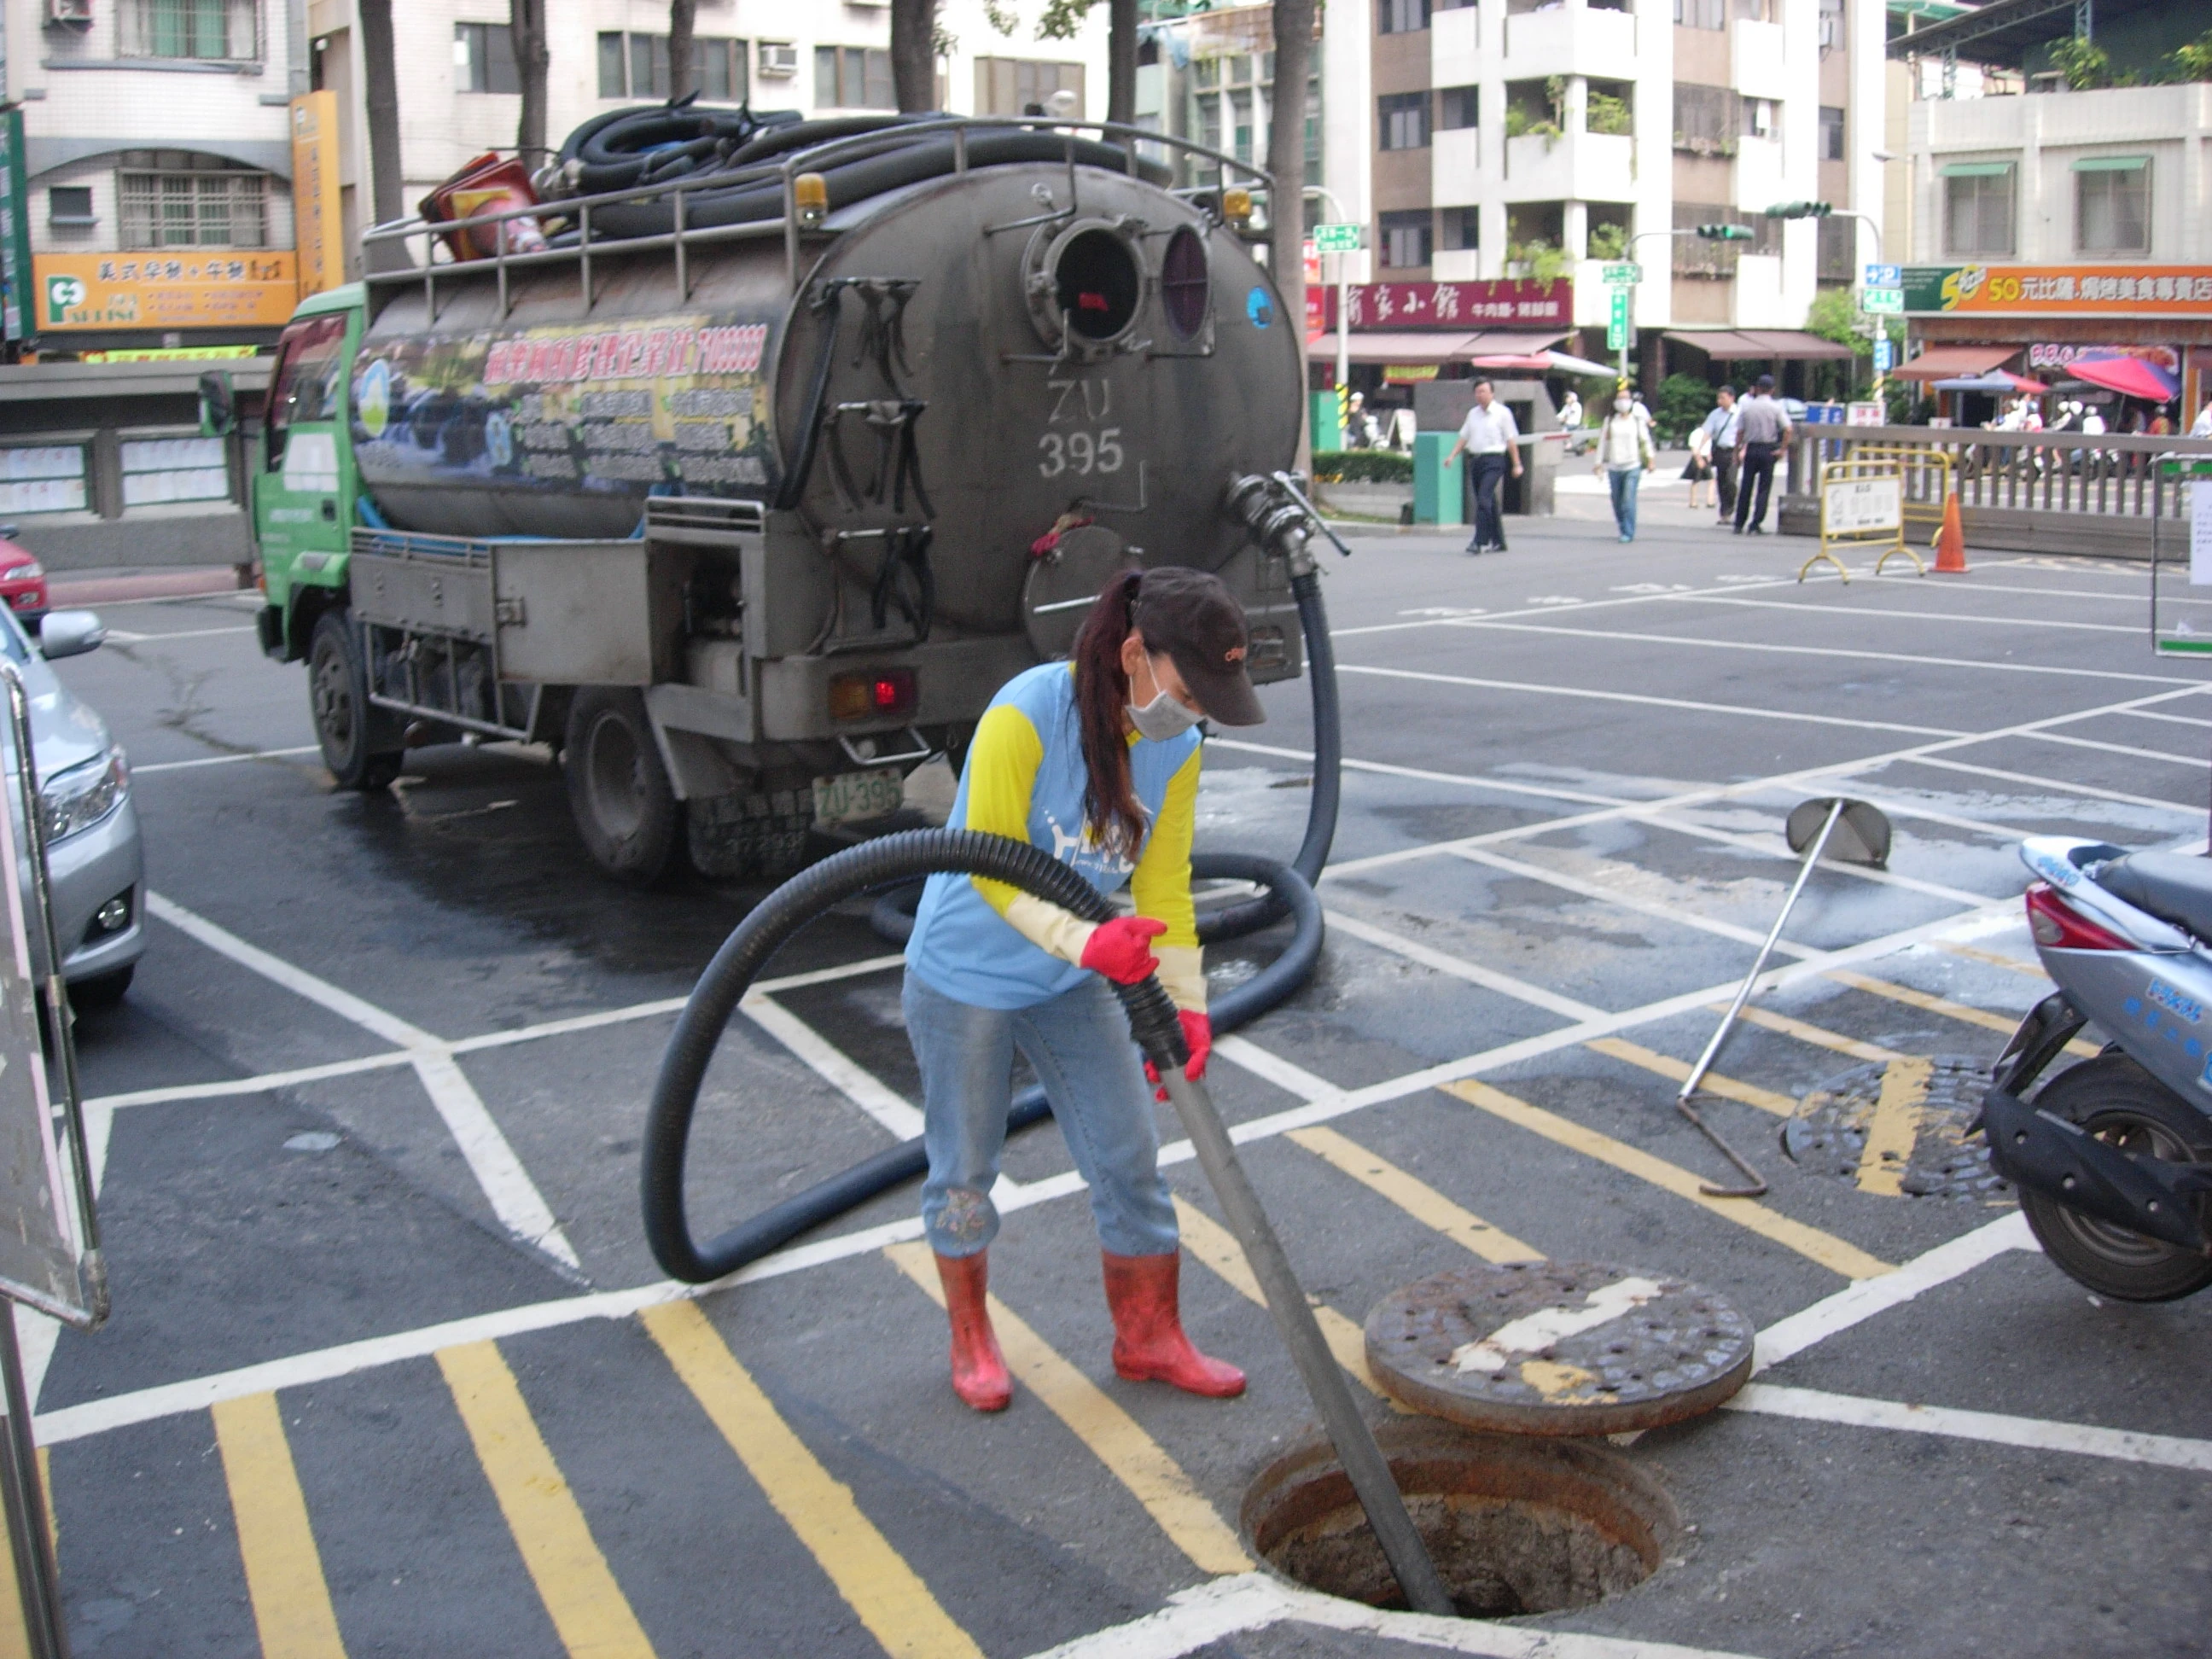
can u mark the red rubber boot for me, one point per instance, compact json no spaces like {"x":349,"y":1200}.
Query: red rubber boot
{"x":1148,"y":1344}
{"x":979,"y":1370}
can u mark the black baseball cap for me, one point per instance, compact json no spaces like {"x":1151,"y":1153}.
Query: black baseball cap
{"x":1193,"y":618}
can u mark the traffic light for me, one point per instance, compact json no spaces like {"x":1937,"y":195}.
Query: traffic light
{"x":1800,"y":211}
{"x":1724,"y":233}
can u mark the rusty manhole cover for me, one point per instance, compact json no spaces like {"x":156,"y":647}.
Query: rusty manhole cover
{"x":1898,"y":1129}
{"x":1557,"y":1348}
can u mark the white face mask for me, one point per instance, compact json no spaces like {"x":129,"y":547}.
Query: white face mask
{"x":1622,"y":405}
{"x":1161,"y":718}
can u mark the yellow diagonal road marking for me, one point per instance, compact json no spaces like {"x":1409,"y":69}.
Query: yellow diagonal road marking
{"x":1414,"y":1196}
{"x":1893,"y":1126}
{"x":1975,"y":953}
{"x":283,"y":1572}
{"x":1832,"y":1253}
{"x":1818,"y":1036}
{"x":1667,"y":1066}
{"x":1960,"y":1011}
{"x":589,"y":1611}
{"x":876,"y":1584}
{"x":1134,"y":1457}
{"x":1213,"y":1245}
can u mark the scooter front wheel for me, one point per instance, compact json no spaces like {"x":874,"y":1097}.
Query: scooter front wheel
{"x":2125,"y":1106}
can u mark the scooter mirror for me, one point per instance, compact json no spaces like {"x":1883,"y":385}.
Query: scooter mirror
{"x":1861,"y":836}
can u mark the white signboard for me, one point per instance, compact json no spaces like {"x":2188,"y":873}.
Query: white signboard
{"x":1852,"y":504}
{"x":2200,"y":531}
{"x":1863,"y":415}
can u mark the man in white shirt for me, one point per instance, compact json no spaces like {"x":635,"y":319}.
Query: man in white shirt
{"x":1490,"y":441}
{"x":1724,"y":425}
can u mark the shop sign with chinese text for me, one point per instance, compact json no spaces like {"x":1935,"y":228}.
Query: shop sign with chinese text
{"x":2059,"y":290}
{"x":1464,"y":306}
{"x":187,"y":288}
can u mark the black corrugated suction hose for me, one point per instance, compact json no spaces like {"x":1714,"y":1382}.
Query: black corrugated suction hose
{"x":902,"y":858}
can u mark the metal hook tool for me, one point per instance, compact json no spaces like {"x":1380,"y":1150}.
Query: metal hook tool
{"x":1866,"y":841}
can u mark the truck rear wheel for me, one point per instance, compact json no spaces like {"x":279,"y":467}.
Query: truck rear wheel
{"x":361,"y":743}
{"x":618,"y":791}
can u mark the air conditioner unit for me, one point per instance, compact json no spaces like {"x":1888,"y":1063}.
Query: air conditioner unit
{"x":779,"y":59}
{"x":69,"y":14}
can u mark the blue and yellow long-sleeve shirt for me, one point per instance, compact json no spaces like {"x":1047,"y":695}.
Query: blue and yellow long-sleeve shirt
{"x":993,"y":946}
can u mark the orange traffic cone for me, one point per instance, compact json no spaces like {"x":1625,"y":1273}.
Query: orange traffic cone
{"x":1951,"y":540}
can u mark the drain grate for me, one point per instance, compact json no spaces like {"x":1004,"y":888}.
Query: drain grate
{"x":1898,"y":1129}
{"x":1514,"y":1526}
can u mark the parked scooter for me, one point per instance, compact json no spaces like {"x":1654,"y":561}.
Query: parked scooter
{"x":2113,"y":1156}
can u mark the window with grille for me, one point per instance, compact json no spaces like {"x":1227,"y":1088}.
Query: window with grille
{"x":173,"y":200}
{"x":1404,"y":119}
{"x":1407,"y":238}
{"x":1832,"y":134}
{"x":636,"y":66}
{"x":1458,"y":107}
{"x":1701,"y":13}
{"x":2112,"y":205}
{"x":1400,"y":16}
{"x":1020,"y":86}
{"x":483,"y":58}
{"x":1838,"y":258}
{"x":1977,"y":207}
{"x":854,"y":77}
{"x":1706,"y":119}
{"x":226,"y":30}
{"x":1460,"y":229}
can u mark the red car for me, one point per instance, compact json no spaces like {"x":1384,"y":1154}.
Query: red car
{"x":22,"y":581}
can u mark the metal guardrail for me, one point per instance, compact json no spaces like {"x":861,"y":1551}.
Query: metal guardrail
{"x":2033,"y":491}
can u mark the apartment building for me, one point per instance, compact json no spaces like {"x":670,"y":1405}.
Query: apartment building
{"x":1537,"y":138}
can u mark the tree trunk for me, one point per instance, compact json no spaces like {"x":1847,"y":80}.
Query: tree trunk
{"x":533,"y":58}
{"x":379,"y":82}
{"x":1286,"y":160}
{"x":1121,"y":61}
{"x":683,"y":16}
{"x":913,"y":54}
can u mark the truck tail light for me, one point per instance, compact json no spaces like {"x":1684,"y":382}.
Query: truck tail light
{"x":2058,"y":925}
{"x":872,"y":696}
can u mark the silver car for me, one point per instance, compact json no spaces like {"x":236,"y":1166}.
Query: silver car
{"x":92,"y":852}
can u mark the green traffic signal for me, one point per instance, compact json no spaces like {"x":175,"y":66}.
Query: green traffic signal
{"x":1724,"y":233}
{"x":1799,"y":211}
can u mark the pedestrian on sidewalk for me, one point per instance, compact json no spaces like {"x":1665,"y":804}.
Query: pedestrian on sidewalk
{"x":1725,"y":425}
{"x":1492,"y":442}
{"x":1699,"y":470}
{"x":1623,"y":456}
{"x":1765,"y":428}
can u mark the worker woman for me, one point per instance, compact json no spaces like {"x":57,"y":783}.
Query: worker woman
{"x":1094,"y":761}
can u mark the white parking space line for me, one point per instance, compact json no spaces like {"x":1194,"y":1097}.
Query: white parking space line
{"x":863,"y":1088}
{"x":1775,"y":847}
{"x":2033,"y":1433}
{"x":2048,"y":785}
{"x":2128,"y":749}
{"x":1237,"y":1604}
{"x":124,"y":637}
{"x":1459,"y":967}
{"x":223,"y":760}
{"x":507,"y":1186}
{"x":2175,"y":720}
{"x":1772,"y":648}
{"x":1918,"y":616}
{"x":1741,"y":710}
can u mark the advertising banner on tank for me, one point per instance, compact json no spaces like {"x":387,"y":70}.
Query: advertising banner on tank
{"x":666,"y":405}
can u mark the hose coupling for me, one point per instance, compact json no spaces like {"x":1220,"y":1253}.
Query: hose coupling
{"x":1277,"y":522}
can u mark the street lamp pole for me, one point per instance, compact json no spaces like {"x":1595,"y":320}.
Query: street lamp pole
{"x":1343,"y":296}
{"x":1881,"y":328}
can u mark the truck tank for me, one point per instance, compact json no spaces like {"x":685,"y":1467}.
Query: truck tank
{"x":873,"y":426}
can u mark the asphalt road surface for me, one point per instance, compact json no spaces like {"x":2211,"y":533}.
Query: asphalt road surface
{"x":391,"y":1371}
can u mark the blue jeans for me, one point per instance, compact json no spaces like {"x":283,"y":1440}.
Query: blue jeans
{"x":1623,"y":482}
{"x":1079,"y":1046}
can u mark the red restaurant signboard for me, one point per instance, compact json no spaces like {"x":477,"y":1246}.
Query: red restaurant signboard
{"x":1465,"y":306}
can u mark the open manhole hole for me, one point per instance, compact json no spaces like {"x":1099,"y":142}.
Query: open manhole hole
{"x":1897,"y":1127}
{"x":1514,"y":1526}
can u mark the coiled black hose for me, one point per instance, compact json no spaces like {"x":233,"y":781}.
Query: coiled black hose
{"x":900,"y":859}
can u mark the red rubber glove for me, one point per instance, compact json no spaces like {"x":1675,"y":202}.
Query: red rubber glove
{"x":1122,"y":948}
{"x":1198,"y":1037}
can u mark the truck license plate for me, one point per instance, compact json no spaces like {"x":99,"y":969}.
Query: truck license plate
{"x":854,"y":796}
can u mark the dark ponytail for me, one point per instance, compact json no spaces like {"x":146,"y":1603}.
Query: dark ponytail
{"x":1110,"y":809}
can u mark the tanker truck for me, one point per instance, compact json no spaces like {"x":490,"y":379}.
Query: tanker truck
{"x":745,"y":491}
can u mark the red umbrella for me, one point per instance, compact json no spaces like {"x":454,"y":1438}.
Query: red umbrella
{"x":2130,"y":376}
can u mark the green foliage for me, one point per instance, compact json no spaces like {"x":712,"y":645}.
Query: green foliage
{"x":2087,"y":66}
{"x":1003,"y":18}
{"x":1061,"y":18}
{"x":1536,"y":261}
{"x":2193,"y":62}
{"x":1608,"y":241}
{"x":1520,"y":123}
{"x":1684,"y":400}
{"x":1900,"y":400}
{"x":1607,"y":113}
{"x":1362,"y":466}
{"x":1834,"y":315}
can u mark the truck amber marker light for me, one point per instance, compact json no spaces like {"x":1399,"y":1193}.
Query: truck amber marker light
{"x":857,"y":696}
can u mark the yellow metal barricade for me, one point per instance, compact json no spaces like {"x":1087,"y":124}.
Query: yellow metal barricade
{"x":1862,"y":505}
{"x":1928,"y":475}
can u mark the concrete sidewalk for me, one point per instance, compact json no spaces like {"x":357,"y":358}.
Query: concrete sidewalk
{"x":116,"y":585}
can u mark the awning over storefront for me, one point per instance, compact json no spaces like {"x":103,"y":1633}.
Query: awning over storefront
{"x":2129,"y":376}
{"x":1432,"y":346}
{"x":1730,"y":344}
{"x":1954,"y":362}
